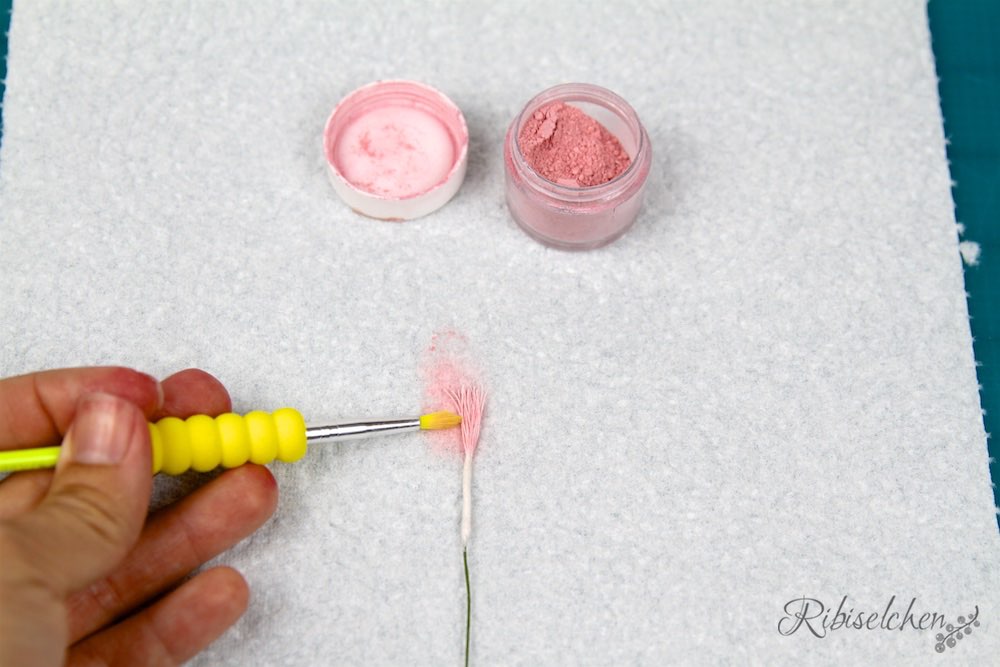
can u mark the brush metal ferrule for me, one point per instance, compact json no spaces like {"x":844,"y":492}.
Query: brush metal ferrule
{"x":360,"y":429}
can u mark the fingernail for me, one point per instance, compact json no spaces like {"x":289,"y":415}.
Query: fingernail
{"x":159,"y":390}
{"x":101,"y":431}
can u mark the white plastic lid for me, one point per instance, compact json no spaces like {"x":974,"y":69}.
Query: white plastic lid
{"x":396,"y":150}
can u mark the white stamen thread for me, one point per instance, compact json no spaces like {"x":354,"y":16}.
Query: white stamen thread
{"x":469,"y":400}
{"x":467,"y":500}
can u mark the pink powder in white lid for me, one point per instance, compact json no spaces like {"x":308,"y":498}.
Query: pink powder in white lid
{"x":396,"y":150}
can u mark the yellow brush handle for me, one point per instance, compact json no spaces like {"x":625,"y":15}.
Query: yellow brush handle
{"x":203,"y":443}
{"x":28,"y":459}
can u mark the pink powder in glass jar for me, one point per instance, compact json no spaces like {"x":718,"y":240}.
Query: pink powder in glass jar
{"x":568,"y":147}
{"x":562,"y":134}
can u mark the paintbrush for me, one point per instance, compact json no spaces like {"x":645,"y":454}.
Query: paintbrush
{"x":203,"y":443}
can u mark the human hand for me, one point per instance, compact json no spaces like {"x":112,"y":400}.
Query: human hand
{"x":80,"y":565}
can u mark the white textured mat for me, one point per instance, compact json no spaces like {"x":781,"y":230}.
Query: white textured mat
{"x":764,"y":391}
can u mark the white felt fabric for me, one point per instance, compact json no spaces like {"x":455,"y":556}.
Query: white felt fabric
{"x":764,"y":391}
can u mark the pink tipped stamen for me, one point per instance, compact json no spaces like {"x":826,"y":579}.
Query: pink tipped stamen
{"x":451,"y":384}
{"x":469,"y":401}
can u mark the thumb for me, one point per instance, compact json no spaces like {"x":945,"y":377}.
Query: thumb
{"x":96,"y":505}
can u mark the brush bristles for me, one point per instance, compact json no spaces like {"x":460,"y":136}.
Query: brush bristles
{"x":439,"y":420}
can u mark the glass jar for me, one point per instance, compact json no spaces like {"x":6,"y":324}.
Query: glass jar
{"x":578,"y":218}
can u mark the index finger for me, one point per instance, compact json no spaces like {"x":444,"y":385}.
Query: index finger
{"x":192,"y":392}
{"x":36,"y":409}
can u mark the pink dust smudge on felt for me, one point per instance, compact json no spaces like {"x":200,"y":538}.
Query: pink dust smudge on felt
{"x":451,"y":383}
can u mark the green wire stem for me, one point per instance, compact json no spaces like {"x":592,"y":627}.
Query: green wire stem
{"x":468,"y":603}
